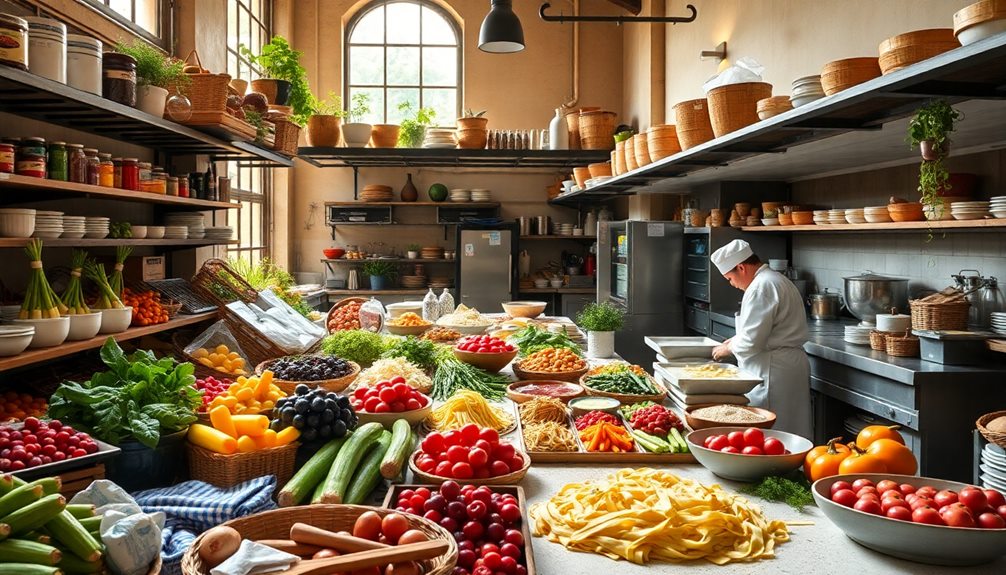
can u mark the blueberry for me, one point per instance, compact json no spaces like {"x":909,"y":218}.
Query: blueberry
{"x":301,"y":389}
{"x":339,"y":428}
{"x":299,"y":421}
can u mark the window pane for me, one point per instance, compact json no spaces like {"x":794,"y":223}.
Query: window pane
{"x":444,"y":102}
{"x":436,"y":30}
{"x":402,"y":23}
{"x":123,"y":8}
{"x":376,"y":115}
{"x":403,"y":66}
{"x":256,"y":231}
{"x":398,"y":96}
{"x":367,"y":65}
{"x":244,"y":29}
{"x":232,"y":26}
{"x":440,"y":66}
{"x":146,"y":15}
{"x":370,"y":28}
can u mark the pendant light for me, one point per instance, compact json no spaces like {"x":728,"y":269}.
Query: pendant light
{"x":501,"y":32}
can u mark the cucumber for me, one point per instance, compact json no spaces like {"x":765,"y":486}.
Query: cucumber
{"x":80,"y":510}
{"x":310,"y":475}
{"x":38,"y":537}
{"x":22,"y":551}
{"x":318,"y":490}
{"x":70,"y":534}
{"x":6,"y":483}
{"x":682,"y":444}
{"x":368,"y":474}
{"x":31,"y":517}
{"x":347,"y":461}
{"x":73,"y":565}
{"x":28,"y":569}
{"x":19,"y":497}
{"x":398,"y":451}
{"x":90,"y":523}
{"x":96,"y":535}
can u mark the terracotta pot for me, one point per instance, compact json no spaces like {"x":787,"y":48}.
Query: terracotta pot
{"x":930,"y":152}
{"x":324,"y":131}
{"x":384,"y":135}
{"x":472,"y":139}
{"x":472,"y":123}
{"x":276,"y":91}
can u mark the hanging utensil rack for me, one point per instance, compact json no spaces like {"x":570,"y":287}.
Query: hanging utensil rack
{"x":561,"y":18}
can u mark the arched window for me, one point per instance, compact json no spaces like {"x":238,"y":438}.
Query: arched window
{"x":401,"y":51}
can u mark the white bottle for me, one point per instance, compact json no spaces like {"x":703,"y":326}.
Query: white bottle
{"x":431,"y":306}
{"x":446,"y":303}
{"x":558,"y":135}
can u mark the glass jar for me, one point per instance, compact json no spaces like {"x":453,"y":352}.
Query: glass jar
{"x":118,"y":78}
{"x":145,"y":171}
{"x":117,"y":173}
{"x":76,"y":163}
{"x":6,"y":159}
{"x":58,"y":162}
{"x":14,"y":47}
{"x":156,"y":184}
{"x":30,"y":158}
{"x":106,"y":171}
{"x":130,"y":174}
{"x":172,"y":186}
{"x":93,"y":174}
{"x":183,"y":186}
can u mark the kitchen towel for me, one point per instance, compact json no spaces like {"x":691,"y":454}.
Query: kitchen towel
{"x":194,"y":506}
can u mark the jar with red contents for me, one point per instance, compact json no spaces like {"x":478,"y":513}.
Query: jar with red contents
{"x":93,"y":174}
{"x":30,"y":158}
{"x":130,"y":174}
{"x":6,"y":159}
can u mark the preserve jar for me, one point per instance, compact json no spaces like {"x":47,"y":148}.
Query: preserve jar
{"x":160,"y":181}
{"x":130,"y":174}
{"x":47,"y":48}
{"x":6,"y":159}
{"x":13,"y":41}
{"x":118,"y":81}
{"x":172,"y":186}
{"x":58,"y":161}
{"x":106,"y":171}
{"x":145,"y":171}
{"x":183,"y":186}
{"x":76,"y":163}
{"x":93,"y":166}
{"x":117,"y":172}
{"x":30,"y":159}
{"x":83,"y":63}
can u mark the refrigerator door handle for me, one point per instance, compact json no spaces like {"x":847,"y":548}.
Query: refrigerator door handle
{"x":509,"y":276}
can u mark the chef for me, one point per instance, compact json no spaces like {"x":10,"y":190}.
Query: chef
{"x":771,"y":331}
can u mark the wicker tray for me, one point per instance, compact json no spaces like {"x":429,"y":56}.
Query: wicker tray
{"x":338,"y":384}
{"x":570,"y":376}
{"x":625,"y":398}
{"x":511,"y":478}
{"x":993,"y":436}
{"x":228,"y":470}
{"x":276,"y":524}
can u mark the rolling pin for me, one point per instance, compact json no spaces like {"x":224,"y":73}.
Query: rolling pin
{"x":292,"y":547}
{"x":372,"y":558}
{"x":341,"y":542}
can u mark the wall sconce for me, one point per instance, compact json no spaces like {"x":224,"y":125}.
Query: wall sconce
{"x":719,"y":54}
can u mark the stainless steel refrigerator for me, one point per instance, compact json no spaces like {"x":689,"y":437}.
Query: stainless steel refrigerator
{"x":639,"y":270}
{"x":487,"y":265}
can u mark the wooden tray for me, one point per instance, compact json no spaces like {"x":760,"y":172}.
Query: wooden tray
{"x":516,"y":490}
{"x":220,"y":123}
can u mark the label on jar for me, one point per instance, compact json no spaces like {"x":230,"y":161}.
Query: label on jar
{"x":13,"y":47}
{"x":32,"y":167}
{"x":6,"y":157}
{"x":120,"y":75}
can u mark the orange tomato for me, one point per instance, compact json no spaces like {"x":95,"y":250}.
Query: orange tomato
{"x":860,"y":461}
{"x":898,"y":458}
{"x":826,"y":459}
{"x":871,"y":433}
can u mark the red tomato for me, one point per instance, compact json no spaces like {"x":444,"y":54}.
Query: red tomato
{"x":393,"y":526}
{"x":995,"y":499}
{"x":887,"y":485}
{"x":718,"y":442}
{"x":1001,"y":510}
{"x":752,"y":450}
{"x":906,"y":489}
{"x":443,"y":469}
{"x":867,"y":505}
{"x":490,"y":435}
{"x":461,"y":470}
{"x":754,"y":437}
{"x":944,"y":498}
{"x":921,"y":502}
{"x":773,"y":447}
{"x":927,"y":515}
{"x":477,"y":457}
{"x":926,"y":491}
{"x":861,"y":482}
{"x":974,"y":499}
{"x":503,"y":451}
{"x":991,"y":521}
{"x":469,"y":434}
{"x":736,"y":439}
{"x":433,"y":443}
{"x":840,"y":485}
{"x":957,"y":515}
{"x":730,"y":449}
{"x":890,"y":502}
{"x":457,"y":454}
{"x":899,"y":513}
{"x":844,"y":497}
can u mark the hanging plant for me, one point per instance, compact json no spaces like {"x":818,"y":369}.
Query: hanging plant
{"x":930,"y":129}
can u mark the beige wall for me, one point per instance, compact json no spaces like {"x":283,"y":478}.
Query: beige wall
{"x":643,"y":57}
{"x":520,"y":91}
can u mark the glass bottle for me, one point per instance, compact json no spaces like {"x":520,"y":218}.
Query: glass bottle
{"x":445,"y":303}
{"x":77,"y":163}
{"x":93,"y":175}
{"x":106,"y":171}
{"x":431,"y":306}
{"x":58,"y":161}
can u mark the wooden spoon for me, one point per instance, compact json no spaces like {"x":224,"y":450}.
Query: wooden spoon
{"x":372,"y":558}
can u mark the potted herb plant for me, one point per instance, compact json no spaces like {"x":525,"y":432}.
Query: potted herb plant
{"x":930,"y":129}
{"x":285,"y":81}
{"x":355,"y":131}
{"x":601,"y":320}
{"x":157,"y":74}
{"x":472,"y":132}
{"x":412,"y":251}
{"x":379,"y":272}
{"x":413,"y":127}
{"x":323,"y":128}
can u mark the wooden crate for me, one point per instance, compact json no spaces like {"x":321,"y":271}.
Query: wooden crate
{"x":77,"y":480}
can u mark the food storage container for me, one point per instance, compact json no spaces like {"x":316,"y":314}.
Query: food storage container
{"x":118,"y":78}
{"x":47,"y":48}
{"x":83,"y":63}
{"x":13,"y":41}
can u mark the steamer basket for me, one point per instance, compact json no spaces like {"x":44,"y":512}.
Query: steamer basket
{"x":597,"y":129}
{"x":662,"y":141}
{"x":640,"y":149}
{"x":843,"y":74}
{"x":692,"y":123}
{"x":911,"y":47}
{"x":735,"y":106}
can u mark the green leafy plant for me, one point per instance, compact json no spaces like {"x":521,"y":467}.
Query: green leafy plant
{"x":532,"y":339}
{"x":421,"y":352}
{"x":264,"y":274}
{"x":140,"y":397}
{"x":600,"y":317}
{"x":155,"y":68}
{"x":255,"y":119}
{"x":379,"y":268}
{"x":469,"y":113}
{"x":357,"y":345}
{"x":279,"y":61}
{"x":330,"y":106}
{"x":933,"y":123}
{"x":413,"y":248}
{"x":413,"y":127}
{"x":360,"y":107}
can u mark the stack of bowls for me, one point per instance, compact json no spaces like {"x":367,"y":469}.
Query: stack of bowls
{"x":194,"y":221}
{"x":806,"y":90}
{"x":662,"y":141}
{"x":821,"y":217}
{"x":778,"y":265}
{"x":15,"y":338}
{"x":461,"y":195}
{"x":74,"y":227}
{"x":855,"y":216}
{"x":768,"y":107}
{"x":999,"y":322}
{"x":96,"y":227}
{"x":876,"y":214}
{"x":219,"y":233}
{"x":942,"y":211}
{"x":997,"y":205}
{"x":49,"y":332}
{"x":836,"y":216}
{"x":9,"y":313}
{"x":17,"y":223}
{"x":439,"y":138}
{"x":976,"y":210}
{"x":906,"y":212}
{"x":376,"y":193}
{"x":857,"y":335}
{"x":176,"y":232}
{"x":48,"y":225}
{"x":481,"y":195}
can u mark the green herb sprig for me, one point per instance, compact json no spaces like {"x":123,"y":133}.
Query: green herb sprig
{"x":600,"y":317}
{"x":357,"y":345}
{"x":421,"y":352}
{"x":453,"y":374}
{"x":792,"y":489}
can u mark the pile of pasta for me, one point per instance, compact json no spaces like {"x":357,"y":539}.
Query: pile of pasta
{"x":545,"y":425}
{"x":645,"y":514}
{"x":467,"y":406}
{"x":542,"y":409}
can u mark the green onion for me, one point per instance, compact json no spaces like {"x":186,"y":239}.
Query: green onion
{"x":115,"y":280}
{"x":453,"y":374}
{"x":73,"y":297}
{"x":39,"y":301}
{"x":106,"y":297}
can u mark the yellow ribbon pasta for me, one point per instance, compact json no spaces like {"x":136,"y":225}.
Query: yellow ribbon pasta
{"x":647,"y":515}
{"x":466,"y":407}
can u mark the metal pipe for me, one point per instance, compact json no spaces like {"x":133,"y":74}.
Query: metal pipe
{"x":618,"y":19}
{"x":576,"y":58}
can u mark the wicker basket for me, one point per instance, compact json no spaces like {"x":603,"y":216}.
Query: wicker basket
{"x":734,"y":106}
{"x":995,"y":437}
{"x":842,"y":74}
{"x":287,"y":133}
{"x":938,"y":316}
{"x":338,"y":384}
{"x":171,"y":307}
{"x":692,"y":123}
{"x":619,"y":166}
{"x":206,"y":92}
{"x":228,"y":470}
{"x":640,"y":150}
{"x":878,"y":340}
{"x":911,"y":47}
{"x":630,"y":155}
{"x":276,"y":524}
{"x":597,"y":128}
{"x":902,"y":345}
{"x":661,"y":142}
{"x":512,"y":478}
{"x":570,"y":376}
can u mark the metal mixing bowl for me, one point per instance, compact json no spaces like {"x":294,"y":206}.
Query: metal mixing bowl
{"x":868,"y":294}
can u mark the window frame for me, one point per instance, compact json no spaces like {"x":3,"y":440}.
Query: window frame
{"x":163,"y":38}
{"x":384,"y":86}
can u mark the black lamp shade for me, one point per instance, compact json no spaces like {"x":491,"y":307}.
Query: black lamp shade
{"x":501,"y":31}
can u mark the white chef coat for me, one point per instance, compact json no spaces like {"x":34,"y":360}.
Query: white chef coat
{"x":771,"y":331}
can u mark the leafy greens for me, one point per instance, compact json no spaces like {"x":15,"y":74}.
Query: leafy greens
{"x":531,"y":339}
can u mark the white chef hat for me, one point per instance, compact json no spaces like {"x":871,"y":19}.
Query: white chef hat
{"x":726,"y":258}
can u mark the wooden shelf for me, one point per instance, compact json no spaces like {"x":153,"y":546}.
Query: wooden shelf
{"x":449,"y":158}
{"x":41,"y":189}
{"x":562,"y":290}
{"x":390,"y":260}
{"x":960,"y":225}
{"x":556,"y":237}
{"x":363,"y":292}
{"x":85,"y":243}
{"x":33,"y":356}
{"x":444,"y":204}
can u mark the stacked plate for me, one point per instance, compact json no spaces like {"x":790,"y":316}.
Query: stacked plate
{"x":194,"y":221}
{"x":877,"y":214}
{"x":48,"y":225}
{"x":413,"y":282}
{"x":219,"y":233}
{"x":778,"y":265}
{"x":976,"y":210}
{"x":997,"y":205}
{"x":460,"y":195}
{"x":836,"y":216}
{"x":565,"y":230}
{"x":821,"y":217}
{"x":999,"y":322}
{"x":857,"y":335}
{"x":9,"y":313}
{"x":855,"y":216}
{"x":806,"y":90}
{"x":432,"y":253}
{"x":376,"y":193}
{"x":96,"y":227}
{"x":481,"y":195}
{"x":74,"y":227}
{"x":176,"y":232}
{"x":438,"y":282}
{"x":439,"y":138}
{"x":992,"y":465}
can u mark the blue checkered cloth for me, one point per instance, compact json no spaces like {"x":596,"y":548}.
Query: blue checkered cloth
{"x":194,"y":506}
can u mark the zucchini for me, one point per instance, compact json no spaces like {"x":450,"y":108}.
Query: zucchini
{"x":310,"y":475}
{"x":73,"y":565}
{"x":71,"y":534}
{"x":368,"y":474}
{"x":21,"y":551}
{"x":90,"y":523}
{"x":28,"y":569}
{"x":347,"y":461}
{"x":31,"y":517}
{"x":317,"y":491}
{"x":6,"y":483}
{"x":19,"y":497}
{"x":96,"y":535}
{"x":38,"y":537}
{"x":80,"y":510}
{"x":398,"y":451}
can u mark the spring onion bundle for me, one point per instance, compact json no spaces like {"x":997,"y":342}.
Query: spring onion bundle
{"x":115,"y":280}
{"x":453,"y":374}
{"x":73,"y":297}
{"x":40,"y":302}
{"x":106,"y":297}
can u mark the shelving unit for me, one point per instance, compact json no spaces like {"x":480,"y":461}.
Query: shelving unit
{"x":389,"y":260}
{"x":383,"y":213}
{"x":554,"y":237}
{"x":854,"y":130}
{"x":368,"y":292}
{"x":88,"y":243}
{"x":991,"y":225}
{"x":42,"y":189}
{"x":356,"y":158}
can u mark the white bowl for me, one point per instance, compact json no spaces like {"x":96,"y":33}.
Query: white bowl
{"x":933,"y":544}
{"x":741,"y":467}
{"x":14,"y":339}
{"x":155,"y":232}
{"x":770,"y":221}
{"x":397,"y":309}
{"x":555,"y":283}
{"x":49,"y":332}
{"x":981,"y":31}
{"x":804,"y":100}
{"x":17,"y":223}
{"x":877,"y":218}
{"x":529,"y":309}
{"x":84,"y":326}
{"x":115,"y":320}
{"x":139,"y":232}
{"x":466,"y":329}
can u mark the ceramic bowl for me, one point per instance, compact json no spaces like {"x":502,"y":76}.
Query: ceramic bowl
{"x":49,"y":332}
{"x":138,"y":232}
{"x":466,"y":329}
{"x":15,"y":339}
{"x":524,"y":308}
{"x":491,"y":362}
{"x":17,"y":223}
{"x":407,"y":329}
{"x":397,"y":309}
{"x":701,"y":423}
{"x":155,"y":232}
{"x":115,"y":320}
{"x":770,"y":221}
{"x":564,"y":391}
{"x":84,"y":326}
{"x":414,"y":417}
{"x":740,"y":467}
{"x":804,"y":100}
{"x":555,"y":283}
{"x":582,"y":405}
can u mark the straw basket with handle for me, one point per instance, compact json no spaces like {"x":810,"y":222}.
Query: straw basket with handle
{"x":338,"y":384}
{"x":692,"y":123}
{"x":207,"y":92}
{"x":287,"y":133}
{"x":229,"y":470}
{"x":902,"y":345}
{"x":735,"y":106}
{"x":947,"y":309}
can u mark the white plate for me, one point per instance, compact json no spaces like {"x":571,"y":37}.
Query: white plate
{"x":996,"y":469}
{"x":993,"y":483}
{"x":960,"y":216}
{"x":989,"y":455}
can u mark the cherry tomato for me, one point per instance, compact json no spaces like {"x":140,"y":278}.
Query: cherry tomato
{"x":752,"y":450}
{"x":906,"y":489}
{"x":887,"y":485}
{"x":890,"y":502}
{"x":991,"y":521}
{"x":754,"y":437}
{"x":719,"y":442}
{"x":860,"y":483}
{"x":868,"y":505}
{"x":773,"y":447}
{"x":844,"y":497}
{"x":840,"y":485}
{"x":926,"y":491}
{"x":899,"y":513}
{"x":736,"y":439}
{"x":928,"y":516}
{"x":477,"y":457}
{"x":730,"y":449}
